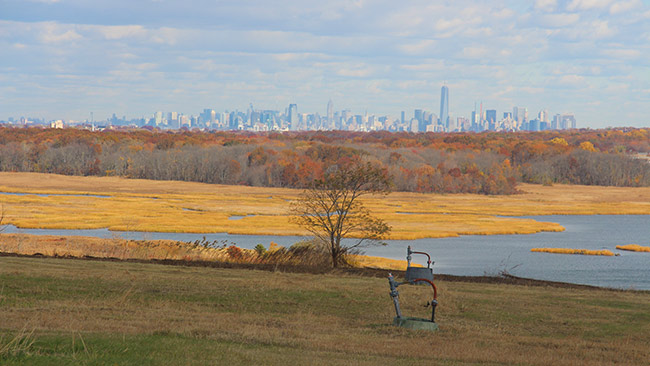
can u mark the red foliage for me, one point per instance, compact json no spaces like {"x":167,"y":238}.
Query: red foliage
{"x":234,"y":252}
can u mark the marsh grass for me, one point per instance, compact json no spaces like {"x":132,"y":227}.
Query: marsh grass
{"x":633,"y":248}
{"x":143,"y":314}
{"x":302,"y":254}
{"x":603,"y":252}
{"x":366,"y":261}
{"x":142,"y":205}
{"x":54,"y":246}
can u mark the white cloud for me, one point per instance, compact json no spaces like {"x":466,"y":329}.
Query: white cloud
{"x":298,"y":56}
{"x":545,"y":5}
{"x":594,"y":30}
{"x":356,"y":71}
{"x":503,"y":14}
{"x":625,"y":6}
{"x":622,"y":53}
{"x":601,"y":29}
{"x":56,"y":33}
{"x":121,"y":31}
{"x":614,"y":87}
{"x":477,"y":52}
{"x":559,"y":20}
{"x":430,"y":65}
{"x":167,"y":35}
{"x":479,"y":32}
{"x":571,"y":79}
{"x":449,"y":24}
{"x":577,"y":5}
{"x":418,"y":47}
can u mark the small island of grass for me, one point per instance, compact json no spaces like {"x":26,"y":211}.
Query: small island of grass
{"x":633,"y":248}
{"x":603,"y":252}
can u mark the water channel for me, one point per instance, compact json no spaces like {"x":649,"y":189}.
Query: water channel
{"x":475,"y":255}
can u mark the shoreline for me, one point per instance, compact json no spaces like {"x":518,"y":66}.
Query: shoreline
{"x":505,"y":279}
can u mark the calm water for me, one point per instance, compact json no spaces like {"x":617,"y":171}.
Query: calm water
{"x":479,"y":255}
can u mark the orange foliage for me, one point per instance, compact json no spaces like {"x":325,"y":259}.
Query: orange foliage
{"x":488,"y":163}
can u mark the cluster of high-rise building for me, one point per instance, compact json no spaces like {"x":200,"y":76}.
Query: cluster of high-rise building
{"x":292,"y":120}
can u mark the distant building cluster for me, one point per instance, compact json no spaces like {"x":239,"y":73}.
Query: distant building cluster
{"x":292,"y":120}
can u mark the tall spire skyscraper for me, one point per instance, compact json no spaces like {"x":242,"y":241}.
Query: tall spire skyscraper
{"x":293,"y":117}
{"x":330,"y":114}
{"x":444,"y":106}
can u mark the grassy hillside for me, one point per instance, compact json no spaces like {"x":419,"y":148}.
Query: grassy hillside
{"x":74,"y":312}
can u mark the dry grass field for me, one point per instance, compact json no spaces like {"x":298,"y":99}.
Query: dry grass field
{"x":74,"y":312}
{"x":70,"y":202}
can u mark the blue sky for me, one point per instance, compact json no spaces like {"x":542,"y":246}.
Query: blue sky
{"x":66,"y":58}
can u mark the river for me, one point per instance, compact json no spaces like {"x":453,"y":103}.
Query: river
{"x":474,"y":255}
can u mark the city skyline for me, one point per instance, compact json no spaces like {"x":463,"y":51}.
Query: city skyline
{"x":254,"y":119}
{"x":291,"y":112}
{"x":65,"y":59}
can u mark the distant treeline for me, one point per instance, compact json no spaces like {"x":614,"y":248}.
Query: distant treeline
{"x":487,"y":163}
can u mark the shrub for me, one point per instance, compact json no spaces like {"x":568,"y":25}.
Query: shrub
{"x":260,"y":249}
{"x":234,"y":252}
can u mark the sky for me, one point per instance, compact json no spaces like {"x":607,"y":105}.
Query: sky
{"x":63,"y":59}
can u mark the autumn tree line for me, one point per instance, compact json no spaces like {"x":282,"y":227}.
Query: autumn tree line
{"x":485,"y":163}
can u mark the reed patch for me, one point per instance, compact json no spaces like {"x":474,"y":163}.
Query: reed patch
{"x":633,"y":248}
{"x":603,"y":252}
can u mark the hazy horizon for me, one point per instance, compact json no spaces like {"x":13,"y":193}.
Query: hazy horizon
{"x":68,"y":58}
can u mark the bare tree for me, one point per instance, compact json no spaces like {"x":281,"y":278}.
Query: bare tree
{"x":2,"y":217}
{"x":330,"y":209}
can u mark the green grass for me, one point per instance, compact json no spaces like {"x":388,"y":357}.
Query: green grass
{"x":182,"y":350}
{"x":73,"y":312}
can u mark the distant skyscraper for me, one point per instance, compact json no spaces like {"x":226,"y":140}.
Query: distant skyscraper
{"x":293,"y":116}
{"x":330,"y":113}
{"x":417,"y":114}
{"x":451,"y":124}
{"x":520,"y":114}
{"x":491,"y":115}
{"x":158,"y":117}
{"x":555,"y":124}
{"x":568,"y":121}
{"x":543,"y":115}
{"x":444,"y":106}
{"x":208,"y":116}
{"x":414,"y":125}
{"x":172,"y":119}
{"x":433,"y":119}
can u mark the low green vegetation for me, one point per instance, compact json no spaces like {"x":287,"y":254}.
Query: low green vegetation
{"x":76,"y":312}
